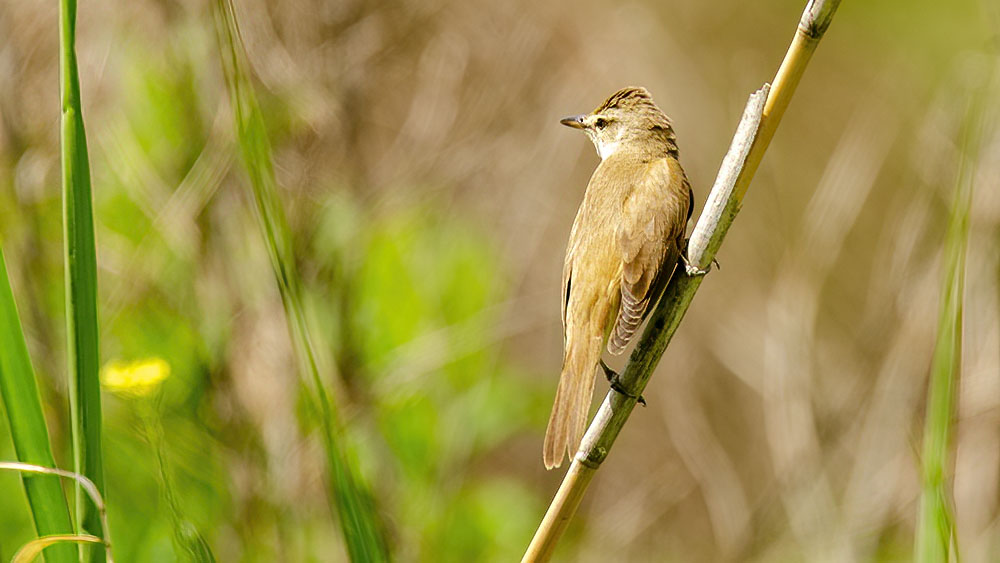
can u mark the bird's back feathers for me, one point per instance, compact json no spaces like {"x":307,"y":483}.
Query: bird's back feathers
{"x":625,"y":240}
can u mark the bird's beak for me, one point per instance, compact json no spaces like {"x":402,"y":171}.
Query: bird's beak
{"x":574,"y":121}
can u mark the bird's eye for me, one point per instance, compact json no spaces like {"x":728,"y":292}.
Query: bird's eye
{"x":600,"y":123}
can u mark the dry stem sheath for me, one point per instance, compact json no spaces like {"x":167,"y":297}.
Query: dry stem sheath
{"x":760,"y":120}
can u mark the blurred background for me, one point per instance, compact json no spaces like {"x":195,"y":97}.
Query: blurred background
{"x":430,"y":190}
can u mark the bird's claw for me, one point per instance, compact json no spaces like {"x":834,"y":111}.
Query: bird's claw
{"x":693,"y":270}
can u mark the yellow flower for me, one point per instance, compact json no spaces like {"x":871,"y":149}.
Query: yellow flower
{"x":137,"y":379}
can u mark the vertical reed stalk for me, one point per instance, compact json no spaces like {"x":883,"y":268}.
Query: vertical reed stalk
{"x":82,"y":352}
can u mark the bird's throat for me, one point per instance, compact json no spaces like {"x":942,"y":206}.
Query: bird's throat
{"x":604,"y":150}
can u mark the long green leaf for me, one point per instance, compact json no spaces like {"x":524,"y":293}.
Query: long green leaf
{"x":27,"y":426}
{"x":935,"y":536}
{"x":81,"y":280}
{"x":351,"y":499}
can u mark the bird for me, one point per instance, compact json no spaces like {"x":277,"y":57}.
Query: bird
{"x":625,"y":242}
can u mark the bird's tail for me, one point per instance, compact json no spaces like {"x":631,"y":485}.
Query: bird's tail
{"x":573,"y":397}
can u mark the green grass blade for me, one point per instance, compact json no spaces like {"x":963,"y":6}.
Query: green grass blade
{"x":81,"y":280}
{"x":351,"y":500}
{"x":935,"y":537}
{"x":27,"y":427}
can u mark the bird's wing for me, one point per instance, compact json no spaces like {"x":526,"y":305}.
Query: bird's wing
{"x":567,"y":283}
{"x":649,"y":238}
{"x":567,"y":272}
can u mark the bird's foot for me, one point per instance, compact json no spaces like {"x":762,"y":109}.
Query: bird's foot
{"x":693,"y":270}
{"x":615,"y":380}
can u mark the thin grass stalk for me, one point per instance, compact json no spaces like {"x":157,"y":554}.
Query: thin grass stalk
{"x":189,"y":543}
{"x":82,"y":352}
{"x":19,"y":389}
{"x":86,"y":484}
{"x":350,"y":498}
{"x":935,"y":535}
{"x":760,"y":120}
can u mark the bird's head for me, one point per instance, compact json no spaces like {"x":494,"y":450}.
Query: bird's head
{"x":629,"y":117}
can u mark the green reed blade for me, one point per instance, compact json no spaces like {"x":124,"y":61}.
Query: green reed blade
{"x":27,"y":427}
{"x":351,"y":499}
{"x":81,"y":280}
{"x":935,"y":534}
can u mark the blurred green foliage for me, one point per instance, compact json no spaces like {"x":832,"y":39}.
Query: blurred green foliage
{"x":411,"y":274}
{"x":420,"y":276}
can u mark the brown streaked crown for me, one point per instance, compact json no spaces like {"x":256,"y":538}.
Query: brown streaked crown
{"x":637,"y":101}
{"x":635,"y":106}
{"x":626,"y":97}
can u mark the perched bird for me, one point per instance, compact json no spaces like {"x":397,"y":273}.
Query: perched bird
{"x":624,"y":245}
